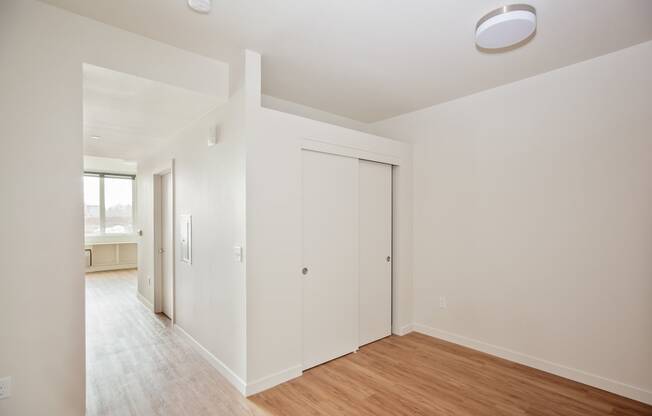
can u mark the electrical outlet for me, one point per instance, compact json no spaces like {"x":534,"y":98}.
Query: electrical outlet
{"x":5,"y":387}
{"x":442,"y":302}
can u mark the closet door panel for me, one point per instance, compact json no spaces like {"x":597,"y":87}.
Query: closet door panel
{"x":375,"y":199}
{"x":330,"y":257}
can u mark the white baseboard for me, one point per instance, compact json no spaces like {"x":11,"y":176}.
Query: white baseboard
{"x":246,"y":389}
{"x":593,"y":380}
{"x":145,"y":302}
{"x":270,"y":381}
{"x":226,"y":372}
{"x":404,"y":330}
{"x":111,"y":267}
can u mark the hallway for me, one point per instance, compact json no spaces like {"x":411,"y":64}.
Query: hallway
{"x":137,"y":365}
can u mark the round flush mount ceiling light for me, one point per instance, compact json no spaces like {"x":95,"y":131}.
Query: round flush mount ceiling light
{"x":200,"y":6}
{"x":506,"y":26}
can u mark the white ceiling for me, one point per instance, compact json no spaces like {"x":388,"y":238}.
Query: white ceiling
{"x":370,"y":59}
{"x":134,"y":116}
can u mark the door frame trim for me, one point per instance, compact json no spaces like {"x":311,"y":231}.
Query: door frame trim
{"x":168,"y":168}
{"x":349,"y":151}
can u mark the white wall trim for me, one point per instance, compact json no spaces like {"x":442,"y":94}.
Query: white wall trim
{"x":404,"y":330}
{"x":110,"y":267}
{"x":350,"y":151}
{"x":246,"y":389}
{"x":275,"y":379}
{"x":231,"y":376}
{"x":593,"y":380}
{"x":145,"y":301}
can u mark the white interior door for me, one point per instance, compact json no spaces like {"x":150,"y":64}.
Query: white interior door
{"x":330,"y":257}
{"x":166,"y":252}
{"x":375,"y":251}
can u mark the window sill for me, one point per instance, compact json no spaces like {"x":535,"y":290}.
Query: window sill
{"x":111,"y":239}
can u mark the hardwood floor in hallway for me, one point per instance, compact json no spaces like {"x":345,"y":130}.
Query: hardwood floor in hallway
{"x":138,"y":365}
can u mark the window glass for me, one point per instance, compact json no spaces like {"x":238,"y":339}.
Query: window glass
{"x":92,"y":204}
{"x":118,"y":205}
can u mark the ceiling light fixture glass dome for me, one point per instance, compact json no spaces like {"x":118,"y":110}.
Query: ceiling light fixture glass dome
{"x":506,"y":26}
{"x":200,"y":6}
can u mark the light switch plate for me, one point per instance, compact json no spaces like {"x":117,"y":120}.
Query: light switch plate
{"x":5,"y":387}
{"x":237,"y":254}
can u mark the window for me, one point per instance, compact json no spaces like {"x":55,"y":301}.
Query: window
{"x":92,"y":204}
{"x":108,"y":204}
{"x":119,"y":218}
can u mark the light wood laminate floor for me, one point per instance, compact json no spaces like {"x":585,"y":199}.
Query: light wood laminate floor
{"x":137,"y":365}
{"x":419,"y":375}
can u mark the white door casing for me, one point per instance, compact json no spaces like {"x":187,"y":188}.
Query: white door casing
{"x":166,"y":249}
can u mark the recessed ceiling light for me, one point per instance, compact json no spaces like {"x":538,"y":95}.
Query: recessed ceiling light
{"x":96,"y":137}
{"x":506,"y":26}
{"x":201,"y":6}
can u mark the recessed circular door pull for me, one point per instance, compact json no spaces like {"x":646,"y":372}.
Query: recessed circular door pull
{"x":389,"y":259}
{"x":304,"y":271}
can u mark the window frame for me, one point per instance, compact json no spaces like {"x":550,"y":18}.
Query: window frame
{"x":102,"y":207}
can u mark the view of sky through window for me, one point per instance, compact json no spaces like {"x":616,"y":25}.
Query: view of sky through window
{"x":112,"y":214}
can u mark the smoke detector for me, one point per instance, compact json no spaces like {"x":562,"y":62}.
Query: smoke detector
{"x":506,"y":26}
{"x":200,"y":6}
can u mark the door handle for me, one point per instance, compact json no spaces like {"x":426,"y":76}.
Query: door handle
{"x":161,"y":250}
{"x":304,"y":271}
{"x":388,"y":259}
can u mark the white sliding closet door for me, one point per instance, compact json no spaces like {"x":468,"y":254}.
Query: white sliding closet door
{"x":375,"y":251}
{"x":330,"y":257}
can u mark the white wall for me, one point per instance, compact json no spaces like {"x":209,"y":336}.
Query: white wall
{"x":274,"y":294}
{"x":300,"y":110}
{"x":533,"y":217}
{"x":209,"y":184}
{"x":42,"y":294}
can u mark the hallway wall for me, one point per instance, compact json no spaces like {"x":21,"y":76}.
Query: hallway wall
{"x":209,"y":184}
{"x":42,"y":50}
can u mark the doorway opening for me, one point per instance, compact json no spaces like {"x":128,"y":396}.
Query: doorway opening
{"x":129,"y":126}
{"x":164,"y":242}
